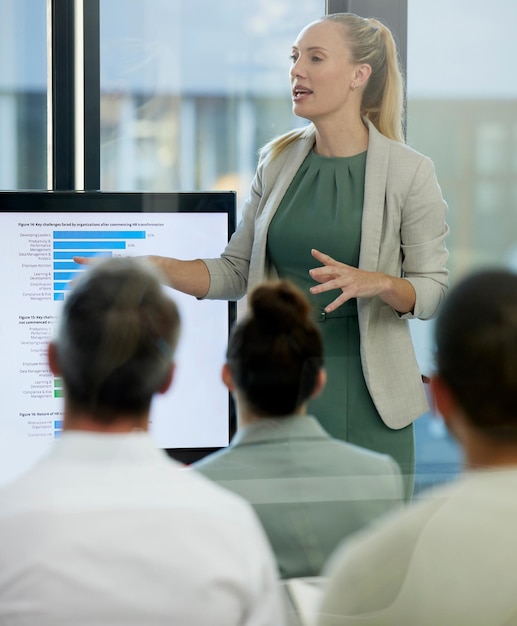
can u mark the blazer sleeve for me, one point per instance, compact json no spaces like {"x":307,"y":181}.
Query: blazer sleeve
{"x":423,"y":232}
{"x":229,"y":273}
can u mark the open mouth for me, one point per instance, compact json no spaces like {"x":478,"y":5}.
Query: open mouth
{"x":299,"y":92}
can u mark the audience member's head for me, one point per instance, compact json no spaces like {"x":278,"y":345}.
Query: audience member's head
{"x":115,"y":342}
{"x":275,"y":355}
{"x":476,"y":356}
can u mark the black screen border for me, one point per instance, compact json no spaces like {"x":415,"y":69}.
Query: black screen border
{"x":48,"y":201}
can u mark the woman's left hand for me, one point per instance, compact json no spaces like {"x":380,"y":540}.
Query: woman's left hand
{"x":353,"y":282}
{"x":357,"y":283}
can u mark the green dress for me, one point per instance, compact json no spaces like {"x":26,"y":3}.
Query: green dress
{"x":322,"y":209}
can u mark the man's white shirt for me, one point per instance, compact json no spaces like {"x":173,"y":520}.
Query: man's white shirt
{"x":107,"y":530}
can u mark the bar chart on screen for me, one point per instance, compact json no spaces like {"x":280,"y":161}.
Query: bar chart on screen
{"x":69,"y":244}
{"x":38,"y":273}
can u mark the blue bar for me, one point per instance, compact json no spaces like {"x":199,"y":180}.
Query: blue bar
{"x":69,"y":254}
{"x":59,"y":296}
{"x":68,"y":265}
{"x":89,"y":245}
{"x":66,"y":275}
{"x":57,"y":433}
{"x":99,"y":234}
{"x":58,"y":423}
{"x":62,"y":286}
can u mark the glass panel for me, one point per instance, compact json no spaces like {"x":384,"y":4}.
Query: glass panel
{"x":462,"y":102}
{"x":186,"y":102}
{"x":23,"y":94}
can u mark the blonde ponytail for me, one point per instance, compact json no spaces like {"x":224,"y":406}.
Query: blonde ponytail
{"x":369,"y":41}
{"x":387,"y":108}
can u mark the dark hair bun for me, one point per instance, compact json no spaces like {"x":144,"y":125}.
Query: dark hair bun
{"x":275,"y":353}
{"x":278,"y":307}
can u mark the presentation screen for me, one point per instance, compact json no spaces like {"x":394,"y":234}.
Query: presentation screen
{"x":40,"y":233}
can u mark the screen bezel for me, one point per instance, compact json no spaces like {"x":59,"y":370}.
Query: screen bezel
{"x":48,"y":201}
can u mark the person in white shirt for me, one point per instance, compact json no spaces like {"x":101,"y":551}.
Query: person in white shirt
{"x":107,"y":529}
{"x":449,"y":560}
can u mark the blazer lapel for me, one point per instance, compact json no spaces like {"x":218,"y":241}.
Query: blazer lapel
{"x":280,"y":174}
{"x":374,"y":198}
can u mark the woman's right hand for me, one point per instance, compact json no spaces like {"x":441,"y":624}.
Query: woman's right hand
{"x":82,"y":260}
{"x":190,"y":277}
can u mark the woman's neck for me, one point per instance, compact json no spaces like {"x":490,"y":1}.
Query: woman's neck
{"x":346,"y":140}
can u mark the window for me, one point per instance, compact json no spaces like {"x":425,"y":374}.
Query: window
{"x":23,"y":94}
{"x":461,"y":113}
{"x":186,"y":105}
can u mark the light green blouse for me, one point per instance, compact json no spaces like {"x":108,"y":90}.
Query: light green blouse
{"x":321,"y":209}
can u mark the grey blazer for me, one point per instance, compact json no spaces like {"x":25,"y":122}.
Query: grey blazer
{"x":403,"y":234}
{"x":308,"y":489}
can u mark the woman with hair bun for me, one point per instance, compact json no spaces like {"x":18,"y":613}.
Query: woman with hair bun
{"x":309,"y":489}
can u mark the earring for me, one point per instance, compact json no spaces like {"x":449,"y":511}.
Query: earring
{"x":352,"y":86}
